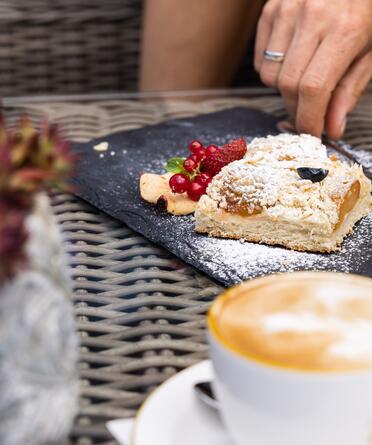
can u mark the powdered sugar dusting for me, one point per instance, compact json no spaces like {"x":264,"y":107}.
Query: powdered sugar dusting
{"x":236,"y":261}
{"x":364,"y":158}
{"x":247,"y":186}
{"x":289,"y":148}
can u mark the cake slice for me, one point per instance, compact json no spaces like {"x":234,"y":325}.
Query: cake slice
{"x":264,"y":197}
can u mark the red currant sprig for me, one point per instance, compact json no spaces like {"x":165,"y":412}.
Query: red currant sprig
{"x":188,"y":178}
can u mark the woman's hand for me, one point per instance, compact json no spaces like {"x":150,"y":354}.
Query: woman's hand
{"x":328,"y":58}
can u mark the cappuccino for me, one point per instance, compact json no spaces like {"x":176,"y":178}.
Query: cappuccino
{"x":306,"y":321}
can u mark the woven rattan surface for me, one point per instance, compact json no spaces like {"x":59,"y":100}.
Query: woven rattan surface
{"x":140,"y":311}
{"x":68,"y":46}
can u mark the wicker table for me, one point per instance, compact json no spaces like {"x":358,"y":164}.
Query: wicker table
{"x":140,"y":311}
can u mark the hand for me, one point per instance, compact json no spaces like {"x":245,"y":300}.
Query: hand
{"x":328,"y":58}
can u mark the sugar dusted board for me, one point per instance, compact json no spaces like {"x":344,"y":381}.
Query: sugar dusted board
{"x":109,"y":180}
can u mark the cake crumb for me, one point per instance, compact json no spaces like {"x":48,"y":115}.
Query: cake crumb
{"x":103,"y":146}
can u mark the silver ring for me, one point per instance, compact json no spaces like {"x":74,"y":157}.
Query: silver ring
{"x":274,"y":56}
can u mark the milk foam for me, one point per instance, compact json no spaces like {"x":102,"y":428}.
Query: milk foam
{"x":284,"y":322}
{"x":331,"y":297}
{"x":353,"y":339}
{"x":356,"y":343}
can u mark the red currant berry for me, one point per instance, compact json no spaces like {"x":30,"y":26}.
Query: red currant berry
{"x":211,"y":149}
{"x":195,"y":191}
{"x":194,"y":158}
{"x":200,"y":154}
{"x":203,"y":178}
{"x":179,"y":183}
{"x":189,"y":164}
{"x":194,"y":146}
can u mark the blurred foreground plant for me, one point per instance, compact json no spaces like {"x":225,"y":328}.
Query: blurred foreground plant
{"x":30,"y":161}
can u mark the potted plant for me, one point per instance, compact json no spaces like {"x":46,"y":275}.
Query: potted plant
{"x":38,"y":340}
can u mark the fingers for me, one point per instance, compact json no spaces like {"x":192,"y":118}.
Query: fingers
{"x":264,"y":28}
{"x":297,"y":59}
{"x":296,"y":35}
{"x":347,"y":94}
{"x":279,"y":40}
{"x":320,"y":45}
{"x":331,"y":60}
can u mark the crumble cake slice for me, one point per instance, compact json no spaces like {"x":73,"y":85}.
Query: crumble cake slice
{"x":262,"y":198}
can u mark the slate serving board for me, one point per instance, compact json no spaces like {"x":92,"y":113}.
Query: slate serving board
{"x":110,"y":181}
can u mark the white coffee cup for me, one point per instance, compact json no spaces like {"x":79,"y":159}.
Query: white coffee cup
{"x":266,"y":404}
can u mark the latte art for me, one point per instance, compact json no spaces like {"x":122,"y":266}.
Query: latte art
{"x":308,"y":321}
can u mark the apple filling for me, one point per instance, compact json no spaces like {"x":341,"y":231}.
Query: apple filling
{"x":348,"y":202}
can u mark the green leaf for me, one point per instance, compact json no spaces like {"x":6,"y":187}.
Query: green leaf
{"x":175,"y":165}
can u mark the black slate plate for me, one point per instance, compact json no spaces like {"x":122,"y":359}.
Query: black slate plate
{"x":110,"y":182}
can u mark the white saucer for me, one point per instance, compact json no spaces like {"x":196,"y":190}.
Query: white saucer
{"x":173,"y":415}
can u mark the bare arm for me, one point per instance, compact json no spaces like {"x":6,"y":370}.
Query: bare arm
{"x":190,"y":44}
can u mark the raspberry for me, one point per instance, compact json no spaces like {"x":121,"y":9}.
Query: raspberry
{"x":179,"y":183}
{"x":196,"y":190}
{"x":232,"y":151}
